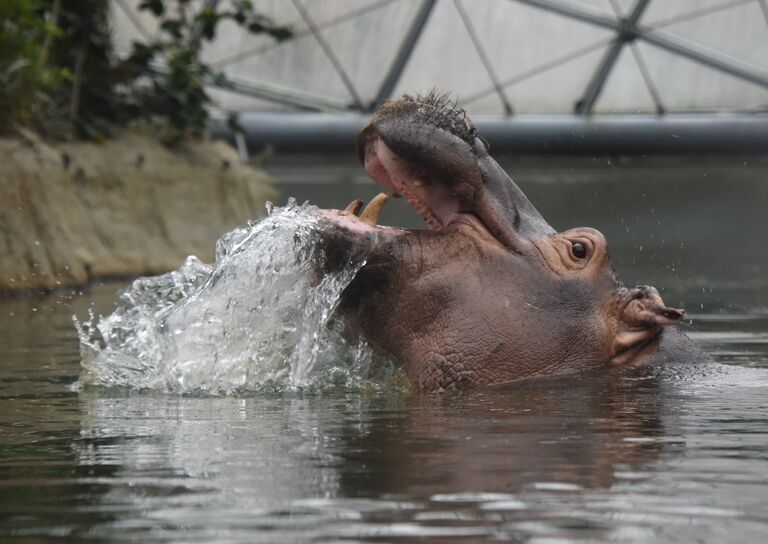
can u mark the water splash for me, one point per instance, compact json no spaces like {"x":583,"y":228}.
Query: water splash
{"x":255,"y":318}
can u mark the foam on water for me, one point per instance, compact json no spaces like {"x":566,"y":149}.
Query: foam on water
{"x":254,"y":318}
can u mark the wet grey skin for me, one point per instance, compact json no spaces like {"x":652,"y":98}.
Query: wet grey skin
{"x":490,"y":293}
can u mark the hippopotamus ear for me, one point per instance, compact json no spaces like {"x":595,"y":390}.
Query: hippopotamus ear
{"x":640,"y":321}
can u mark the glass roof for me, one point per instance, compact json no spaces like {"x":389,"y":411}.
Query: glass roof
{"x":495,"y":56}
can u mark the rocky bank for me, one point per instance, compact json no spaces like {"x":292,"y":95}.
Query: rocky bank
{"x":74,"y":212}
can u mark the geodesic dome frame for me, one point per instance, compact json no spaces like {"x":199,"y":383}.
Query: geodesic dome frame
{"x":576,"y":61}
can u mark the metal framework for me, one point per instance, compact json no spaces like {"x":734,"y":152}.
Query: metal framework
{"x":404,"y":53}
{"x":328,"y":50}
{"x":627,"y":29}
{"x":626,"y":33}
{"x":483,"y":56}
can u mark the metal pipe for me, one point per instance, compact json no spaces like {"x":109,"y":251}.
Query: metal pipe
{"x":529,"y":134}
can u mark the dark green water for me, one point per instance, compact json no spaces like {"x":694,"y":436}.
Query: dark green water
{"x":585,"y":459}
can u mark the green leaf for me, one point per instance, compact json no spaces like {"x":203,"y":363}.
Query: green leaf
{"x":233,"y":122}
{"x":157,"y":7}
{"x":16,"y":66}
{"x":208,"y":20}
{"x":172,"y":27}
{"x":220,"y":79}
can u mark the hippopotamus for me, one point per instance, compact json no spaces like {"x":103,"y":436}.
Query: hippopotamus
{"x":489,"y":293}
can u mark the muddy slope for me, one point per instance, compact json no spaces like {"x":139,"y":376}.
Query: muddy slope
{"x":70,"y":213}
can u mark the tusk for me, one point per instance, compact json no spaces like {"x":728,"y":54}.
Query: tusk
{"x":372,"y":211}
{"x":353,"y":207}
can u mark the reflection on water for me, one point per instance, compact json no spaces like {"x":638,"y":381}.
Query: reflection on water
{"x":558,"y":459}
{"x":662,"y":457}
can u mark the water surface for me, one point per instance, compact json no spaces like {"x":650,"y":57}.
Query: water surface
{"x":646,"y":458}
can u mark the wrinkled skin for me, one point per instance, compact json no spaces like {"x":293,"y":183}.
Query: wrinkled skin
{"x":490,"y":293}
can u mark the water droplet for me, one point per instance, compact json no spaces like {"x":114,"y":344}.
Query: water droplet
{"x":195,"y":329}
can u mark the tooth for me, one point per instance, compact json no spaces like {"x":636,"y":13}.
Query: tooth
{"x":353,"y":207}
{"x":372,"y":211}
{"x":418,"y":183}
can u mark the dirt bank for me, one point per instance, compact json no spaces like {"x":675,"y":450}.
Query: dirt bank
{"x":70,"y":213}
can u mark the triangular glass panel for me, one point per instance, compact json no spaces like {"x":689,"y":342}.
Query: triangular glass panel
{"x":445,"y":59}
{"x":740,"y":31}
{"x":598,"y":7}
{"x":366,"y":45}
{"x":520,"y":39}
{"x":234,"y":43}
{"x":686,"y":85}
{"x":129,"y":23}
{"x":662,"y":12}
{"x":625,"y":90}
{"x":625,"y":7}
{"x":299,"y":65}
{"x":323,"y":11}
{"x":556,"y":90}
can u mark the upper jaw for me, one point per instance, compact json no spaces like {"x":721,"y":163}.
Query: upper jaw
{"x":441,"y":207}
{"x":427,"y":150}
{"x":445,"y":178}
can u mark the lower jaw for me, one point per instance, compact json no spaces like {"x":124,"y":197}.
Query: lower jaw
{"x":356,"y":224}
{"x":460,"y":222}
{"x":365,"y":220}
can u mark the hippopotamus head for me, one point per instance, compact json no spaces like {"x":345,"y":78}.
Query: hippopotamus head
{"x":490,"y":292}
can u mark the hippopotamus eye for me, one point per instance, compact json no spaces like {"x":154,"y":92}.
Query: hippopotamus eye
{"x":578,"y":250}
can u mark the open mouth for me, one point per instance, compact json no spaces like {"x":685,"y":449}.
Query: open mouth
{"x":426,"y":150}
{"x":440,"y":207}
